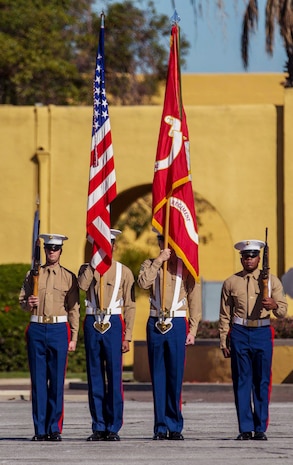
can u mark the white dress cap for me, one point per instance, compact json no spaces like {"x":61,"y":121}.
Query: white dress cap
{"x":251,"y":244}
{"x":53,"y":239}
{"x":114,"y":233}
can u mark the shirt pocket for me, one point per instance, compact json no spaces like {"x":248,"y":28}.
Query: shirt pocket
{"x":239,"y":300}
{"x":41,"y":290}
{"x":60,"y":291}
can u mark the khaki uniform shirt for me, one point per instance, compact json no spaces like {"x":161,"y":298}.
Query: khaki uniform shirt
{"x":60,"y":297}
{"x":125,"y":292}
{"x":239,"y":299}
{"x":190,"y":290}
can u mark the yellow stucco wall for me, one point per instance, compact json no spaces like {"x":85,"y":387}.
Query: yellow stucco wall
{"x":231,"y":89}
{"x":240,"y":129}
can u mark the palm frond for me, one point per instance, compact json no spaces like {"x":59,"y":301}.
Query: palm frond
{"x":272,"y":15}
{"x":250,"y":21}
{"x":289,"y":67}
{"x":286,"y":21}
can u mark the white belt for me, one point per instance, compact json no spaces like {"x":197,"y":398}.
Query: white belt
{"x":251,"y":323}
{"x":173,"y":313}
{"x":93,"y":311}
{"x":48,"y":319}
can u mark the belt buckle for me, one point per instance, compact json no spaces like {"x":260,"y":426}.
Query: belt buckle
{"x":252,"y":323}
{"x":163,"y":327}
{"x":99,"y":324}
{"x":48,"y":319}
{"x":161,"y":324}
{"x":101,"y":327}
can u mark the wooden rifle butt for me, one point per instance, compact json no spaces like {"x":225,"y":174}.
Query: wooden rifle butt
{"x":36,"y":284}
{"x":265,"y":283}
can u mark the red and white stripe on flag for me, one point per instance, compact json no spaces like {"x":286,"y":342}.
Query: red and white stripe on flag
{"x":172,"y":175}
{"x":102,"y":177}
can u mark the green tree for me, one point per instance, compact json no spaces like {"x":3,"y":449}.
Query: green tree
{"x":37,"y":43}
{"x":48,"y":51}
{"x":136,"y":51}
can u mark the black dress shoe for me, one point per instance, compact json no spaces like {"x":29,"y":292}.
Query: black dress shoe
{"x":260,"y":436}
{"x":244,"y":436}
{"x":97,"y":436}
{"x":176,"y":436}
{"x":39,"y":437}
{"x":112,"y":436}
{"x":56,"y":437}
{"x":159,"y":436}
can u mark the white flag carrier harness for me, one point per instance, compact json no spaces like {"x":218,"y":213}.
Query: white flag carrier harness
{"x":103,"y":316}
{"x":176,"y":304}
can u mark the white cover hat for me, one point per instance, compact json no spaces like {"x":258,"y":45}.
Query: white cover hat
{"x":114,"y":233}
{"x":53,"y":239}
{"x":251,"y":244}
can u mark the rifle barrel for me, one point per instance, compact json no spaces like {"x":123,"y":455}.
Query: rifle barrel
{"x":265,"y":267}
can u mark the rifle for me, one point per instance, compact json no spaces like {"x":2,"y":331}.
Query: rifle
{"x":265,"y":268}
{"x":36,"y":262}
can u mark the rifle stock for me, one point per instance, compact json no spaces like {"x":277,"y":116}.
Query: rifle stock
{"x":265,"y":268}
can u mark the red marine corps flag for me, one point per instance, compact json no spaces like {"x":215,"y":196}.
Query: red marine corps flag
{"x":102,"y":178}
{"x":173,"y":202}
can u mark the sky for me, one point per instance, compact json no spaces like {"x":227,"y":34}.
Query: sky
{"x":215,"y":39}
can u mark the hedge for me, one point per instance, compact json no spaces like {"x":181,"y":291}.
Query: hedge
{"x":13,"y":323}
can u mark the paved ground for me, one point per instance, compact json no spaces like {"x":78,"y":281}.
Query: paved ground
{"x":210,"y":429}
{"x":16,"y":389}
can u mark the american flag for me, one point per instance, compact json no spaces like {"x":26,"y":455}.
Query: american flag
{"x":173,"y":203}
{"x":102,"y":177}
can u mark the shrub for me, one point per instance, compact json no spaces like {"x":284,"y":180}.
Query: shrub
{"x":13,"y":320}
{"x":13,"y":323}
{"x":283,"y":327}
{"x":208,"y":330}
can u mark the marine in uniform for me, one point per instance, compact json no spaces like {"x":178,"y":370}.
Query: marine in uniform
{"x":167,"y":337}
{"x":247,"y":337}
{"x":51,"y":334}
{"x":107,"y":333}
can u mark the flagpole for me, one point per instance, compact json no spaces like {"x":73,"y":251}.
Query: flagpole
{"x":165,"y":264}
{"x":177,"y":69}
{"x":101,"y":299}
{"x":174,"y":20}
{"x":102,"y":179}
{"x":176,"y":221}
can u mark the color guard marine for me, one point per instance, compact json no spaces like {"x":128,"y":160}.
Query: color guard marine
{"x":247,"y":337}
{"x":51,"y":334}
{"x":168,"y":333}
{"x":107,"y":334}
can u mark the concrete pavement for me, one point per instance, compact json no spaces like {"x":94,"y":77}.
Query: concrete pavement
{"x":209,"y":429}
{"x":75,"y":389}
{"x":209,"y":433}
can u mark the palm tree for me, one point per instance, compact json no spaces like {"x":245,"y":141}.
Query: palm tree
{"x":277,"y":12}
